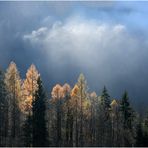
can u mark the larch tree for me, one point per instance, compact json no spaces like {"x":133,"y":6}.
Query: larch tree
{"x":93,"y":111}
{"x":68,"y":115}
{"x":13,"y":85}
{"x":75,"y":109}
{"x":57,"y":100}
{"x":116,"y":123}
{"x":40,"y":133}
{"x":82,"y":95}
{"x":29,"y":87}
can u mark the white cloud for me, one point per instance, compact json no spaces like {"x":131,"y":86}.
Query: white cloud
{"x":107,"y":54}
{"x":93,"y":46}
{"x":37,"y":35}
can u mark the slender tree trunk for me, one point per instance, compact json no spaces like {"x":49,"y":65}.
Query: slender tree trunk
{"x":81,"y":120}
{"x":76,"y":124}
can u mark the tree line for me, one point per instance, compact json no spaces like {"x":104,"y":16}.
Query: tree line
{"x":71,"y":116}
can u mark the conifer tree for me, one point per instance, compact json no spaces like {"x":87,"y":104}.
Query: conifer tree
{"x":27,"y":130}
{"x":57,"y":100}
{"x":68,"y":116}
{"x":3,"y":111}
{"x":13,"y":85}
{"x":127,"y":120}
{"x":40,"y":133}
{"x":139,"y":135}
{"x":93,"y":119}
{"x":82,"y":94}
{"x":29,"y":87}
{"x":104,"y":118}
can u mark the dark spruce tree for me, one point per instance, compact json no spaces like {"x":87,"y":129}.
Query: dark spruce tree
{"x":105,"y":98}
{"x":128,"y":116}
{"x":139,"y":135}
{"x":3,"y":111}
{"x":40,"y":133}
{"x":105,"y":121}
{"x":27,"y":131}
{"x":145,"y":131}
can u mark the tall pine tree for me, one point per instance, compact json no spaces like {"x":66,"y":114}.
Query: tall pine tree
{"x":3,"y":111}
{"x":40,"y":133}
{"x":104,"y":119}
{"x":127,"y":120}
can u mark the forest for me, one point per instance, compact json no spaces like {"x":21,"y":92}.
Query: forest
{"x":65,"y":117}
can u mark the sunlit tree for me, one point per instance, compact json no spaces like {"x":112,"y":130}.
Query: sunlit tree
{"x":13,"y":85}
{"x":93,"y":111}
{"x":57,"y":100}
{"x":68,"y":115}
{"x":29,"y":87}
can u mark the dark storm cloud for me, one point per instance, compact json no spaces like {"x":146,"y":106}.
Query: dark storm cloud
{"x":65,"y":38}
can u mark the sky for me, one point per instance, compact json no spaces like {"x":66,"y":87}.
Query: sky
{"x":106,"y":41}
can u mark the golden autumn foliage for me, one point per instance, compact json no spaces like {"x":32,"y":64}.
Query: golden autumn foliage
{"x":57,"y":93}
{"x":86,"y":108}
{"x":13,"y":82}
{"x":75,"y":91}
{"x":29,"y":87}
{"x":93,"y":95}
{"x":114,"y":103}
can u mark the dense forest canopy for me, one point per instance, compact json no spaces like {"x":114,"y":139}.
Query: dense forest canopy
{"x":71,"y":116}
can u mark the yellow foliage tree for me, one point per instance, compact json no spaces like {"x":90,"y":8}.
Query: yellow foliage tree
{"x":13,"y":84}
{"x":29,"y":87}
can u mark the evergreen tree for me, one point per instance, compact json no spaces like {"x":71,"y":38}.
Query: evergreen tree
{"x":127,"y":120}
{"x":139,"y":135}
{"x":105,"y":99}
{"x":145,"y":131}
{"x":27,"y":131}
{"x":3,"y":111}
{"x":40,"y":133}
{"x":104,"y":119}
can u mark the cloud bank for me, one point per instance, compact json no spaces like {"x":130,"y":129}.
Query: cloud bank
{"x":108,"y":54}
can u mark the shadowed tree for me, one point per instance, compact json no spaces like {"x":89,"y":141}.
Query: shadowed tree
{"x":128,"y":121}
{"x":40,"y":133}
{"x":104,"y":119}
{"x":3,"y":111}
